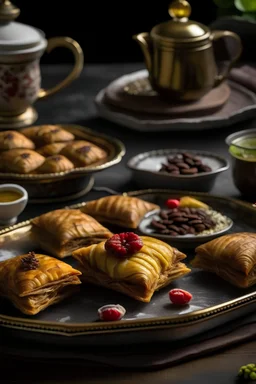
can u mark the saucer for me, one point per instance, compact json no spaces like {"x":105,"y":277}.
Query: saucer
{"x":134,"y":93}
{"x":240,"y":106}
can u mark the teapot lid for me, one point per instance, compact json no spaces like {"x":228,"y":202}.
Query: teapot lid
{"x":15,"y":36}
{"x":180,"y":28}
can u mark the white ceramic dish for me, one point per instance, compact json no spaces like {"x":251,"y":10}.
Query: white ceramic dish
{"x":9,"y":211}
{"x":145,"y":167}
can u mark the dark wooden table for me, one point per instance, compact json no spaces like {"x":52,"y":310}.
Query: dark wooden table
{"x":75,"y":104}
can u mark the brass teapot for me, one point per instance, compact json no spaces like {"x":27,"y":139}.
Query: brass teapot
{"x":179,"y":56}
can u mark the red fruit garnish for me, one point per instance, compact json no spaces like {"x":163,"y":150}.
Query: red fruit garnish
{"x":172,"y":203}
{"x":124,"y":244}
{"x":111,"y":312}
{"x":179,"y":296}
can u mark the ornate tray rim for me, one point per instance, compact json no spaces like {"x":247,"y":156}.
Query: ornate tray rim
{"x":77,"y":329}
{"x":99,"y":138}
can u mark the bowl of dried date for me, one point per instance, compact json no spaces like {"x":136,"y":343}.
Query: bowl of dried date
{"x":185,"y":222}
{"x":178,"y":169}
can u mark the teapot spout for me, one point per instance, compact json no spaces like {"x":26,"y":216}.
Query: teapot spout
{"x":144,"y":41}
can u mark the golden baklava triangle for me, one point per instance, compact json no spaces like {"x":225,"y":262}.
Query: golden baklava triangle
{"x":232,"y":257}
{"x":62,"y":231}
{"x":33,"y":282}
{"x":126,"y":211}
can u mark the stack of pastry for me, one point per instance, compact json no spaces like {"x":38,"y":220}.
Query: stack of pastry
{"x":46,"y":149}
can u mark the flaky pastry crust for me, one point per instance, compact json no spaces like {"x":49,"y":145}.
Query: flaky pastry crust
{"x":126,"y":211}
{"x":31,"y":291}
{"x":232,"y":257}
{"x":62,"y":231}
{"x":156,"y":265}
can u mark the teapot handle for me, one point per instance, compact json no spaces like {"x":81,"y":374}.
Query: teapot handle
{"x":75,"y":48}
{"x":216,"y":35}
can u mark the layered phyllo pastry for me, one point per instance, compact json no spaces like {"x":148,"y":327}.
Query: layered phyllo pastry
{"x":84,"y":153}
{"x":56,"y":163}
{"x":232,"y":257}
{"x":133,"y":265}
{"x":62,"y":231}
{"x":13,"y":140}
{"x":51,"y":149}
{"x":33,"y":282}
{"x":46,"y":134}
{"x":21,"y":160}
{"x":125,"y":211}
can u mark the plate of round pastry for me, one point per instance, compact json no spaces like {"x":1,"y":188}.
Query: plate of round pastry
{"x":186,"y":222}
{"x":43,"y":158}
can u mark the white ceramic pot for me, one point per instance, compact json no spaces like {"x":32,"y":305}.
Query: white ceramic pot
{"x":21,"y":47}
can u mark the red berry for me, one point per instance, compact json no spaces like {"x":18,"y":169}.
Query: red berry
{"x":111,"y":312}
{"x":172,"y":203}
{"x":124,"y":244}
{"x":179,"y":296}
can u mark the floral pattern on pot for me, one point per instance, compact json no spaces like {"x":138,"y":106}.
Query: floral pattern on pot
{"x":19,"y":86}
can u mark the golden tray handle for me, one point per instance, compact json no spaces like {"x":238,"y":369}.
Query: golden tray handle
{"x":75,"y":48}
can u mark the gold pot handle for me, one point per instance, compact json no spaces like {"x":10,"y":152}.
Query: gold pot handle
{"x":216,"y":35}
{"x":75,"y":48}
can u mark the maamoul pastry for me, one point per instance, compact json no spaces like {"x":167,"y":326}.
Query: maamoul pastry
{"x":21,"y":160}
{"x":126,"y":211}
{"x":84,"y":153}
{"x":14,"y":139}
{"x":232,"y":257}
{"x":56,"y":163}
{"x":46,"y":134}
{"x":136,"y":266}
{"x":33,"y":282}
{"x":62,"y":231}
{"x":51,"y":149}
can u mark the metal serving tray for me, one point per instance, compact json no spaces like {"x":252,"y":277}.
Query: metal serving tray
{"x":75,"y":321}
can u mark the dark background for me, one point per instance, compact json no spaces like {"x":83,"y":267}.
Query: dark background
{"x":104,"y":29}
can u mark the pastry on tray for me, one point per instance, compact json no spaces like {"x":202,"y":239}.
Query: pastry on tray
{"x":33,"y":282}
{"x":126,"y":211}
{"x":62,"y":231}
{"x":13,"y":139}
{"x":232,"y":257}
{"x":84,"y":153}
{"x":21,"y":160}
{"x":136,"y":266}
{"x":46,"y":134}
{"x":56,"y":163}
{"x":51,"y":149}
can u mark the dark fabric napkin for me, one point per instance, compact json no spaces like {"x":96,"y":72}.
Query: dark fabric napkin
{"x":244,"y":75}
{"x":137,"y":357}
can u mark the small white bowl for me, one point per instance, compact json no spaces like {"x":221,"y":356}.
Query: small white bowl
{"x":9,"y":211}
